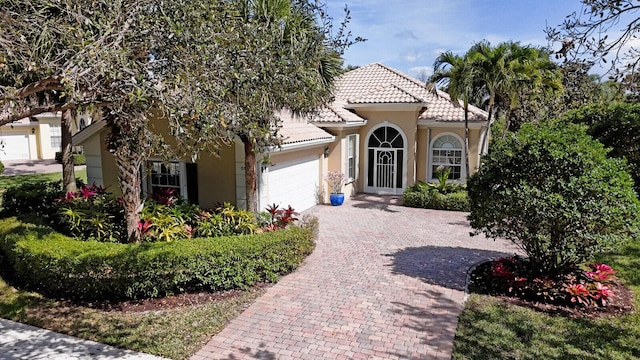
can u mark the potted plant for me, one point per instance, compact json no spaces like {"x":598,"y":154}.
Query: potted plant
{"x":336,"y":180}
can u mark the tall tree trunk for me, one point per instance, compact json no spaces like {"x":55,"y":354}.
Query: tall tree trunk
{"x":485,"y":137}
{"x":466,"y":139}
{"x":129,"y":177}
{"x":250,"y":176}
{"x":68,"y":171}
{"x":507,"y":123}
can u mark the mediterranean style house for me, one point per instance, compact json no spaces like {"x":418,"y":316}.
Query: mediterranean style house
{"x":384,"y":130}
{"x":38,"y":137}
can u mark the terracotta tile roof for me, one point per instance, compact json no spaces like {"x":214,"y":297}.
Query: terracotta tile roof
{"x":386,"y":95}
{"x":441,"y":108}
{"x":379,"y":84}
{"x":295,"y":129}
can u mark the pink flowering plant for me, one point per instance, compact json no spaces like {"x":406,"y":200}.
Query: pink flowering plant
{"x":514,"y":277}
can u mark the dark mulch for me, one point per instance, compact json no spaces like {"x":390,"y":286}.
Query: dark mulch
{"x":621,"y":303}
{"x":168,"y":302}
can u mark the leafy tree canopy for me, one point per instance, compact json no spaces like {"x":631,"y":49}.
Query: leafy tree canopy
{"x":601,"y":29}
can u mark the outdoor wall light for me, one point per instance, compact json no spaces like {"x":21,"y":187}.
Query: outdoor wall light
{"x":326,"y":152}
{"x":33,"y":130}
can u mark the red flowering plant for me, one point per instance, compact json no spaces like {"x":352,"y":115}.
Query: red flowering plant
{"x":91,"y":213}
{"x":279,"y":218}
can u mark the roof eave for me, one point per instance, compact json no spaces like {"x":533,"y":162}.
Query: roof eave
{"x":300,"y":145}
{"x":89,"y":131}
{"x":433,"y":123}
{"x":387,"y":106}
{"x":342,"y":125}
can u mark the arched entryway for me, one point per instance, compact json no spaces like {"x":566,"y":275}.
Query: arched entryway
{"x":386,"y":152}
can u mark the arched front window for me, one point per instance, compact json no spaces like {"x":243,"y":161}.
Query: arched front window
{"x":447,"y":151}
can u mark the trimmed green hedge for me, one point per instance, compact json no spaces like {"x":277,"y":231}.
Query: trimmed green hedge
{"x":43,"y":260}
{"x":427,"y":197}
{"x":78,"y":159}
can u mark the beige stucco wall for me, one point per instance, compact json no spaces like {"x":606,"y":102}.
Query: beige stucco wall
{"x":216,"y":178}
{"x":336,"y":160}
{"x":44,"y":137}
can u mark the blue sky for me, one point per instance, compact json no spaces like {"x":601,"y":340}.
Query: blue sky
{"x":409,"y":34}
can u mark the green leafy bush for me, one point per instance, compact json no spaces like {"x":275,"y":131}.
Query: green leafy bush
{"x":436,"y":196}
{"x":617,"y":126}
{"x":1,"y":167}
{"x":43,"y":260}
{"x":552,"y":191}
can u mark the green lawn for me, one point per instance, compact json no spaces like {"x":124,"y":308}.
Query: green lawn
{"x":175,"y":333}
{"x":9,"y":181}
{"x":491,"y":329}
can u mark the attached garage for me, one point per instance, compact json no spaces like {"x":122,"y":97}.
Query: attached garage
{"x":294,"y":183}
{"x":14,"y":147}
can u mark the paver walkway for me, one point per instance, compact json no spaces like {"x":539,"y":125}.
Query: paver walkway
{"x":20,"y":341}
{"x":384,"y":282}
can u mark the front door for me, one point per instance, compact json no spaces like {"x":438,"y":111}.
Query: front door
{"x":385,"y":151}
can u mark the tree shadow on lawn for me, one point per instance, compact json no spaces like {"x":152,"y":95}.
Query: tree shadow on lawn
{"x":443,"y":266}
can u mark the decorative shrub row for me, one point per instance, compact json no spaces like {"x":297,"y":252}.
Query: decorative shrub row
{"x":43,"y":260}
{"x":78,"y":159}
{"x":429,"y":197}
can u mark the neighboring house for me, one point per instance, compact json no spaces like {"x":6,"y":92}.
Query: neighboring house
{"x":384,"y":130}
{"x":38,"y":137}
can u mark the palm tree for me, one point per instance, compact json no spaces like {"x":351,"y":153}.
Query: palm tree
{"x":458,"y":74}
{"x":491,"y":70}
{"x":530,"y":73}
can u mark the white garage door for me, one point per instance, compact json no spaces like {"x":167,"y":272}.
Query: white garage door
{"x":294,"y":183}
{"x":14,"y":147}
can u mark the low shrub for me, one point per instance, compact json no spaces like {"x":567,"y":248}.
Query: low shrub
{"x":55,"y":265}
{"x":37,"y":199}
{"x":1,"y":167}
{"x":434,"y":196}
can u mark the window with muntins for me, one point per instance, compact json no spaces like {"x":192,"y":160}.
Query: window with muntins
{"x":165,"y":176}
{"x":55,"y":133}
{"x":447,"y":151}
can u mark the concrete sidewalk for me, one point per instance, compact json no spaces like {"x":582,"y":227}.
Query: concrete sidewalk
{"x":19,"y":341}
{"x":27,"y":167}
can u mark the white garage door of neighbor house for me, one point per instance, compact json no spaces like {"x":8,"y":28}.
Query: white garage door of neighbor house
{"x":14,"y":147}
{"x":294,"y":183}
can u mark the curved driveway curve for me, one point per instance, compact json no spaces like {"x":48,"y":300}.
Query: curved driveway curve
{"x":385,"y":281}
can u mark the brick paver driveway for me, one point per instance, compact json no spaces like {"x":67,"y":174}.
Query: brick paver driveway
{"x":384,"y":282}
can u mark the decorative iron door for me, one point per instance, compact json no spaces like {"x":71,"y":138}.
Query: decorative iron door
{"x":385,"y":169}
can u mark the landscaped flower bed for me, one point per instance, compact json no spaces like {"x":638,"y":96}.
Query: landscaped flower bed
{"x":593,"y":290}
